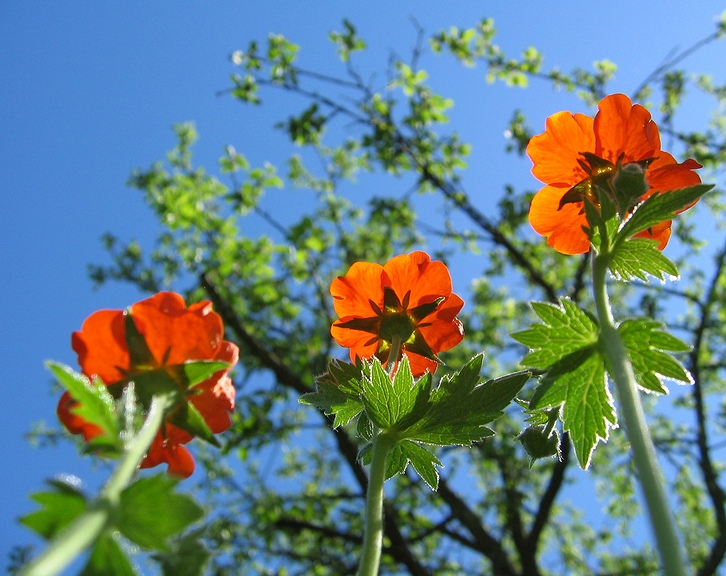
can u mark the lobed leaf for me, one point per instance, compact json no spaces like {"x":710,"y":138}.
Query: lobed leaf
{"x":639,"y":257}
{"x":150,"y":512}
{"x":648,"y":345}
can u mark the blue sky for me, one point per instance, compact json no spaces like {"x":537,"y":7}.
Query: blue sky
{"x":90,"y":91}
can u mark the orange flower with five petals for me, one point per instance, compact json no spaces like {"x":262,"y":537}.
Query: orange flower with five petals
{"x":173,"y":334}
{"x":621,"y":133}
{"x":409,"y":299}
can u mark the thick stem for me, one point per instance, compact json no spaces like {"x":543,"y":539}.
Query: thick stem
{"x":373,"y":538}
{"x":86,"y":529}
{"x":644,"y":457}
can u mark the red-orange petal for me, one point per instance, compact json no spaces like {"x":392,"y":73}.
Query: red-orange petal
{"x":563,"y":227}
{"x":179,"y":459}
{"x":555,"y":153}
{"x":101,"y":346}
{"x":416,"y":273}
{"x":623,"y":128}
{"x":175,"y":333}
{"x":353,"y":292}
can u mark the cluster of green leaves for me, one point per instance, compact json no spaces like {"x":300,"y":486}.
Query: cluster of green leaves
{"x":567,"y":347}
{"x":149,"y":514}
{"x":417,"y":414}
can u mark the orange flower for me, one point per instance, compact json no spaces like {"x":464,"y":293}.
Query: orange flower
{"x":621,"y":133}
{"x":409,"y":298}
{"x":173,"y":334}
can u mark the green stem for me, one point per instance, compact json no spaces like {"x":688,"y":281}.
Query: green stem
{"x":373,"y":537}
{"x":644,"y":457}
{"x":86,"y":529}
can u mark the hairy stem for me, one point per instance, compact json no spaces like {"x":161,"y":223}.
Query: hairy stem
{"x":646,"y":464}
{"x":373,"y":538}
{"x":87,"y":528}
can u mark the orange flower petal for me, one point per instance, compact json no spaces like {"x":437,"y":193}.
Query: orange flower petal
{"x":355,"y":340}
{"x":175,"y":333}
{"x":416,"y":273}
{"x":179,"y":459}
{"x":563,"y":227}
{"x":623,"y":128}
{"x":101,"y":346}
{"x":555,"y":152}
{"x":353,"y":292}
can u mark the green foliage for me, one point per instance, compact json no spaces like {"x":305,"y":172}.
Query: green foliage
{"x":107,"y":557}
{"x":565,"y":347}
{"x":639,"y":257}
{"x":648,"y":345}
{"x":150,"y":512}
{"x":60,"y":507}
{"x":95,"y":405}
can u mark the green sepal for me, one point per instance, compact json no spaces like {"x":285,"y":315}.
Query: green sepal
{"x":59,"y":507}
{"x":139,"y":354}
{"x":660,"y":207}
{"x":151,"y":512}
{"x":186,"y":416}
{"x":640,"y":257}
{"x":95,"y":403}
{"x":107,"y":557}
{"x":648,"y":346}
{"x":197,"y":371}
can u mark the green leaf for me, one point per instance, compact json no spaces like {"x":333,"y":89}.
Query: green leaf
{"x":333,"y":401}
{"x":460,"y":406}
{"x":106,"y":558}
{"x":398,"y":402}
{"x":659,"y":208}
{"x":59,"y":508}
{"x":95,"y":403}
{"x":648,"y":345}
{"x":638,"y":257}
{"x":186,"y":557}
{"x":587,"y":406}
{"x":566,"y":329}
{"x":151,"y":512}
{"x":423,"y":461}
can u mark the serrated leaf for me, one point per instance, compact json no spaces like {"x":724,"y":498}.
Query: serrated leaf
{"x":106,"y":558}
{"x":395,"y":402}
{"x":587,"y":410}
{"x":95,"y":403}
{"x":150,"y":512}
{"x":423,"y":461}
{"x":396,"y":461}
{"x":566,"y":329}
{"x":333,"y":401}
{"x":659,"y":208}
{"x":639,"y":257}
{"x":648,"y":346}
{"x":59,"y":508}
{"x":460,"y":407}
